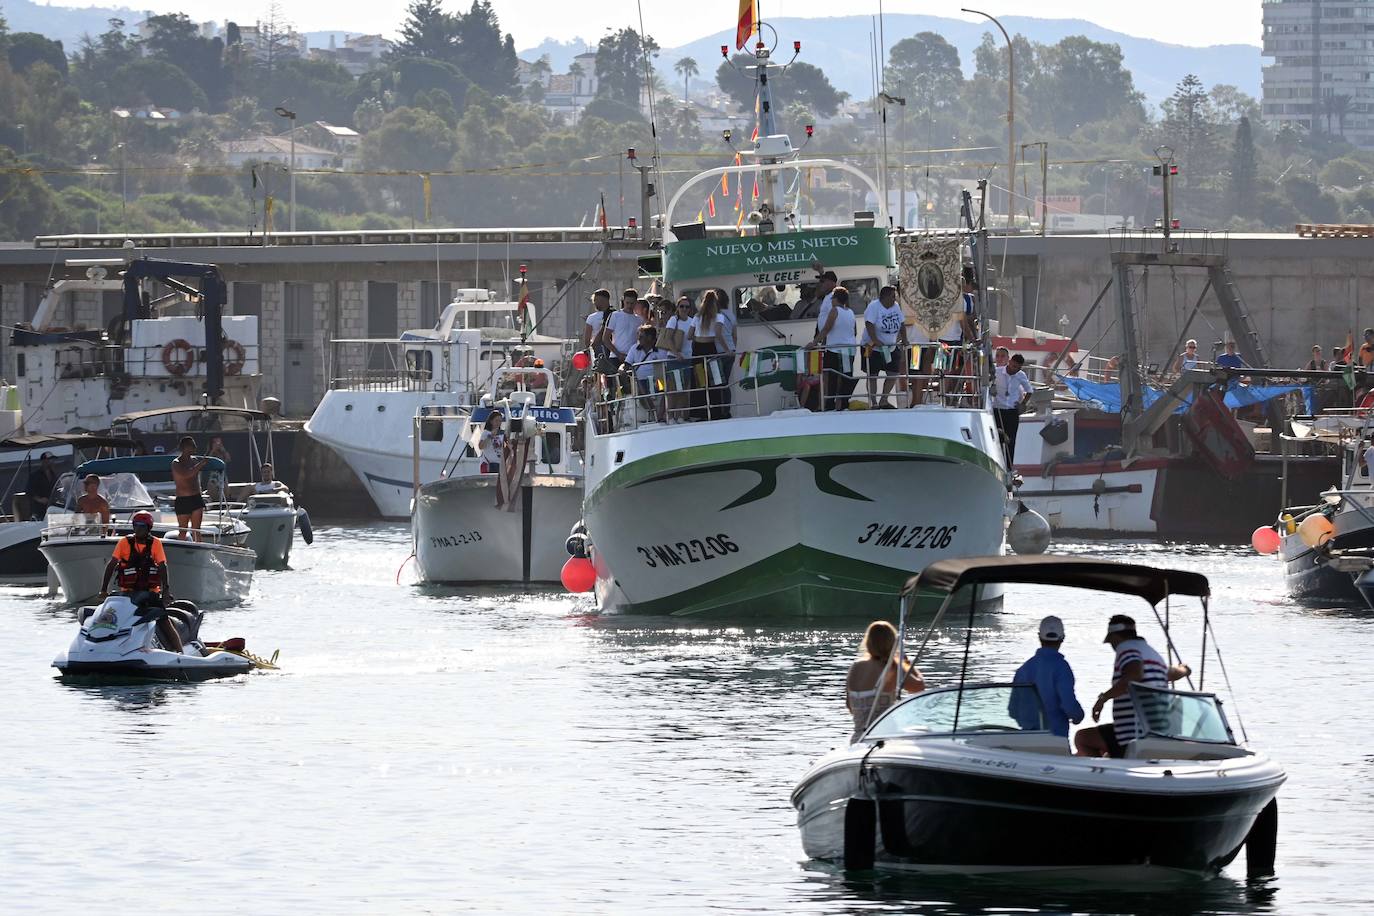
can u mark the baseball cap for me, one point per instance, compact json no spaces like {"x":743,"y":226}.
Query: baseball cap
{"x":1052,"y":629}
{"x":1119,"y":623}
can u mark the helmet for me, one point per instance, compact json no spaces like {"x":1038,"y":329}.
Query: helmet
{"x":143,"y":518}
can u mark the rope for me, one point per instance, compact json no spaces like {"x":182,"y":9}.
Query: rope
{"x":1216,"y":648}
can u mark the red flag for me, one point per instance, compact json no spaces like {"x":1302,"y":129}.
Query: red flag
{"x":756,"y":189}
{"x":725,"y":183}
{"x":711,"y":205}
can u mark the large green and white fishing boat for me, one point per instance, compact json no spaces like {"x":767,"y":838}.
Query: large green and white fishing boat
{"x":763,"y":507}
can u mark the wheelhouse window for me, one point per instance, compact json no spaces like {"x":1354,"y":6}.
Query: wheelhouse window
{"x":983,"y":708}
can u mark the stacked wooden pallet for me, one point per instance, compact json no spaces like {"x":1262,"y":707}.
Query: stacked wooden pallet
{"x":1334,"y":231}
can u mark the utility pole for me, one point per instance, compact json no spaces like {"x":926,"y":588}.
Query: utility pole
{"x":1011,"y":117}
{"x":284,"y":112}
{"x":901,"y":169}
{"x":1166,"y":170}
{"x":1044,"y":179}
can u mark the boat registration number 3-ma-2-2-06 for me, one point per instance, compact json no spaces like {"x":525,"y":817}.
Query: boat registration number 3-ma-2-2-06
{"x":697,"y":550}
{"x":913,"y":537}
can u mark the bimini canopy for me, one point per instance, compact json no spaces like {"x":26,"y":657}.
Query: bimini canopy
{"x":138,"y":464}
{"x":948,"y":576}
{"x":76,"y":440}
{"x":246,"y":413}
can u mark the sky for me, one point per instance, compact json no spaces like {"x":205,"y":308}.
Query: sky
{"x":1185,"y":22}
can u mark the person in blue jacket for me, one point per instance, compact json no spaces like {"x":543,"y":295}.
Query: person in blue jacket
{"x":1049,"y":672}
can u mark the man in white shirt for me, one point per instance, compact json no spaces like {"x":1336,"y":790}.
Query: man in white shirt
{"x":884,"y":341}
{"x":624,"y":325}
{"x":820,"y":298}
{"x":840,"y":333}
{"x":1011,"y":390}
{"x":601,"y":307}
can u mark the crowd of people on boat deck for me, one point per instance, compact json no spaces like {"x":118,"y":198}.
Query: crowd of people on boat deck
{"x":677,"y":356}
{"x":871,"y":687}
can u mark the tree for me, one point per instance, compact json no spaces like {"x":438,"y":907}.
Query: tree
{"x":925,"y":69}
{"x":1345,"y":172}
{"x":541,"y":69}
{"x":1231,"y":104}
{"x":156,"y":82}
{"x":484,"y":56}
{"x":1339,"y":106}
{"x":24,"y":49}
{"x":177,"y":40}
{"x":410,"y":139}
{"x":805,"y":84}
{"x":990,"y":60}
{"x":319,"y":90}
{"x":97,"y":59}
{"x":1081,"y":81}
{"x":277,"y":39}
{"x":619,"y":65}
{"x":1243,"y":170}
{"x":428,"y":31}
{"x":1189,"y":126}
{"x":368,"y":116}
{"x":686,"y":68}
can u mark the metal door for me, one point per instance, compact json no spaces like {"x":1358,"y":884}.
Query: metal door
{"x":381,"y":323}
{"x":298,"y":370}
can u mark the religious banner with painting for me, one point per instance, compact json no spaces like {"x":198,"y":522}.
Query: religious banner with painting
{"x":928,"y":271}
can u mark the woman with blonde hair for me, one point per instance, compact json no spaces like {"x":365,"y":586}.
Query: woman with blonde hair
{"x":871,"y":687}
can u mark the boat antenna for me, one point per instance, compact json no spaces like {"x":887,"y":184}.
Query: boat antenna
{"x":656,"y":165}
{"x":963,"y":668}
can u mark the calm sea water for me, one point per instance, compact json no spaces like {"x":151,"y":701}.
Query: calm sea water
{"x":450,"y":751}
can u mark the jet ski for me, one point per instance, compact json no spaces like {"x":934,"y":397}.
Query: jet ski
{"x":119,"y":640}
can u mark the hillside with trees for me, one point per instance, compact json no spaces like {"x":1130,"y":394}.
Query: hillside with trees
{"x":135,"y":130}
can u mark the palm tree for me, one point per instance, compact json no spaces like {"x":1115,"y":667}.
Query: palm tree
{"x":686,"y":68}
{"x":541,"y":69}
{"x":1340,"y":107}
{"x":576,"y":72}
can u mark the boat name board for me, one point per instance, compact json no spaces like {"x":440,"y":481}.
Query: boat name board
{"x":684,"y":552}
{"x":563,"y":415}
{"x":775,"y":258}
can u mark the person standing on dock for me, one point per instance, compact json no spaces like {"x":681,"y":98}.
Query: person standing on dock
{"x":1011,"y":391}
{"x":1049,"y":672}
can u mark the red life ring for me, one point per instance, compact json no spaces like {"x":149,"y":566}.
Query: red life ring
{"x":234,"y":357}
{"x":173,"y":360}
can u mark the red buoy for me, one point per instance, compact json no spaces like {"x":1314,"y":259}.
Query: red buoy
{"x":582,"y":361}
{"x":578,"y":575}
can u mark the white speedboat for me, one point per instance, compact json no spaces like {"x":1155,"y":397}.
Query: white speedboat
{"x":765,"y":507}
{"x":20,"y":561}
{"x":948,"y":781}
{"x":378,"y":386}
{"x":268,"y":509}
{"x":118,"y":640}
{"x":508,"y":524}
{"x":216,"y":569}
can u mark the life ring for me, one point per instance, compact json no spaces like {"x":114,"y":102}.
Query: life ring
{"x":172,"y":359}
{"x":234,"y":357}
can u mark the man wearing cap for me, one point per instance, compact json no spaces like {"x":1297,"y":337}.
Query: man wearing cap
{"x":820,"y":297}
{"x":1049,"y":672}
{"x":1136,"y":663}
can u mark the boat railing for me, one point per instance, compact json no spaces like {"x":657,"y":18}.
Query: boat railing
{"x":160,"y":361}
{"x":756,"y":383}
{"x":77,"y":525}
{"x":389,"y":364}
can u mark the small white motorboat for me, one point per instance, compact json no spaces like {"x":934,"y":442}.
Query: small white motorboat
{"x":268,"y":508}
{"x":507,"y":523}
{"x":216,"y":569}
{"x":118,"y":640}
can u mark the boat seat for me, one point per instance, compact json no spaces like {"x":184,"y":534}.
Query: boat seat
{"x":1153,"y":747}
{"x":1033,"y":742}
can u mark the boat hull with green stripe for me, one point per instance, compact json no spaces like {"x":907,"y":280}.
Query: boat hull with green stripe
{"x":791,"y":515}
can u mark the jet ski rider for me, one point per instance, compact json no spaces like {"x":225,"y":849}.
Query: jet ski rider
{"x":141,"y":564}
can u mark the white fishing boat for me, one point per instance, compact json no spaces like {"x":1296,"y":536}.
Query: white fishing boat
{"x":378,"y":386}
{"x":504,"y":521}
{"x":764,"y":507}
{"x":99,"y":345}
{"x":216,"y":568}
{"x":268,"y":508}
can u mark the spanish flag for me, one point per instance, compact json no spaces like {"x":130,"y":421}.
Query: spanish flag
{"x":748,"y":22}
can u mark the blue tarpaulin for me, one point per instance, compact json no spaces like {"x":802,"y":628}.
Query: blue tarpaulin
{"x":1106,"y":396}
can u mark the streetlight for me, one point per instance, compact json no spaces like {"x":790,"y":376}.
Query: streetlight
{"x":283,"y":112}
{"x":901,"y":194}
{"x":1011,"y":115}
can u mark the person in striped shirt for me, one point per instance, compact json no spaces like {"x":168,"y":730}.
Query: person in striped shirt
{"x":1136,"y":663}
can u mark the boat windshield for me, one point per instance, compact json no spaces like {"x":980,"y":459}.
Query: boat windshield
{"x":984,"y":707}
{"x":124,"y":493}
{"x":1176,"y":714}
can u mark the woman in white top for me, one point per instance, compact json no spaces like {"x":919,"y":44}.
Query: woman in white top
{"x":492,"y":443}
{"x":681,"y":320}
{"x":871,"y":686}
{"x":840,"y":332}
{"x":711,"y":400}
{"x":640,"y":359}
{"x":1188,"y":359}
